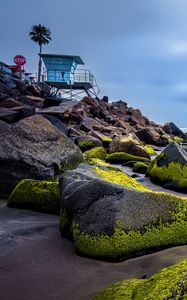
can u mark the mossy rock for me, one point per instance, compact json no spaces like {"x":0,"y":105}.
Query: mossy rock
{"x":88,"y":142}
{"x":106,"y":140}
{"x":116,"y":176}
{"x":177,"y":139}
{"x":43,"y":196}
{"x":150,"y":150}
{"x":140,"y":167}
{"x":115,"y":217}
{"x":169,"y":283}
{"x":170,"y":168}
{"x":101,"y":163}
{"x":97,"y":152}
{"x":122,"y":157}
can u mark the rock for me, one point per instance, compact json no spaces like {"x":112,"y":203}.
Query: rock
{"x":89,"y":124}
{"x":169,"y":168}
{"x":57,"y":123}
{"x":90,"y":101}
{"x":2,"y":96}
{"x":129,"y":144}
{"x":171,"y":281}
{"x":23,"y":111}
{"x":20,"y":85}
{"x":43,"y":196}
{"x":35,"y":149}
{"x":44,"y":88}
{"x":97,"y":152}
{"x":171,"y":128}
{"x":8,"y":115}
{"x":140,"y":167}
{"x":10,"y":102}
{"x":86,"y":142}
{"x":122,"y":157}
{"x":114,"y":216}
{"x":38,"y":101}
{"x":34,"y":89}
{"x":105,"y":99}
{"x":51,"y":101}
{"x":4,"y":127}
{"x":155,"y":136}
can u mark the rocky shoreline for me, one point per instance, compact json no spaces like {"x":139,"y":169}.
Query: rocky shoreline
{"x":70,"y":159}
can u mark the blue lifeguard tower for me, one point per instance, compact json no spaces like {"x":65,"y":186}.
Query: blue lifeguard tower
{"x":66,"y":78}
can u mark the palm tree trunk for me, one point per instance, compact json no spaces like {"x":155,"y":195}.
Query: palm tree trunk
{"x":40,"y":64}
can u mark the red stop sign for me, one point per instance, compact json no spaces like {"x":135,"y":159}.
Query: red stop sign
{"x":20,"y":60}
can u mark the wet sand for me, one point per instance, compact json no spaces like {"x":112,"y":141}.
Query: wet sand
{"x":37,"y":264}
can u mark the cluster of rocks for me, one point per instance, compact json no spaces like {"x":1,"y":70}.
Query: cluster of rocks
{"x":19,"y":100}
{"x":96,"y":118}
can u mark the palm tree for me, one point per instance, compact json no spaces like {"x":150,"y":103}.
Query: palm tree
{"x":40,"y":35}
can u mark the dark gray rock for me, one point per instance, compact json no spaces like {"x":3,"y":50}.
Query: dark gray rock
{"x":34,"y":148}
{"x":4,"y":127}
{"x":8,"y":115}
{"x":172,"y":153}
{"x":98,"y":204}
{"x":171,"y":128}
{"x":57,"y":123}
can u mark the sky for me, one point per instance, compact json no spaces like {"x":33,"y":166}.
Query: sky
{"x":137,"y":49}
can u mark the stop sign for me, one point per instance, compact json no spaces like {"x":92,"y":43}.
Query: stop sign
{"x":20,"y":60}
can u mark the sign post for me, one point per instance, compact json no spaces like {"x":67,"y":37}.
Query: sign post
{"x":20,"y":61}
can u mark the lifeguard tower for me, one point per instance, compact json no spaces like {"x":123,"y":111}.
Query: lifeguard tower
{"x":66,"y":78}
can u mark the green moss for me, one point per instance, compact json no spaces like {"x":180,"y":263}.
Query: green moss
{"x":96,"y":152}
{"x":43,"y":196}
{"x":106,"y":139}
{"x":100,"y":163}
{"x":118,"y":177}
{"x":122,"y":243}
{"x":140,"y":167}
{"x":174,"y":172}
{"x":170,"y":283}
{"x":150,"y":150}
{"x":177,"y":139}
{"x":86,"y":145}
{"x":121,"y":157}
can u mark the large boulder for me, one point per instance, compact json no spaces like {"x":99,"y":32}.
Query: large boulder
{"x":169,"y":168}
{"x":169,"y":283}
{"x":129,"y":144}
{"x":110,"y":215}
{"x":34,"y":148}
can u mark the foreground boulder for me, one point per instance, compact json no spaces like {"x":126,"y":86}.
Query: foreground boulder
{"x":129,"y":144}
{"x":112,"y":216}
{"x":36,"y":195}
{"x":169,"y":283}
{"x":34,"y":148}
{"x":169,"y":168}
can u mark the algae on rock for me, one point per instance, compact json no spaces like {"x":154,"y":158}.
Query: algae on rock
{"x":169,"y":283}
{"x":170,"y":168}
{"x":114,"y":216}
{"x":96,"y":152}
{"x":122,"y":157}
{"x":43,"y":196}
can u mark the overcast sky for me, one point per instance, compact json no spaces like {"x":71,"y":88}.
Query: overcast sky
{"x":137,"y":49}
